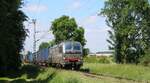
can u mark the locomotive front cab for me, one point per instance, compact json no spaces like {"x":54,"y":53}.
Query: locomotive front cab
{"x":73,"y":54}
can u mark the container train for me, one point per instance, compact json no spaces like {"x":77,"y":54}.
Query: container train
{"x":67,"y":54}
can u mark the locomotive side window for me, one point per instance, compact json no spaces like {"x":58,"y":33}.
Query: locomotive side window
{"x":60,"y":49}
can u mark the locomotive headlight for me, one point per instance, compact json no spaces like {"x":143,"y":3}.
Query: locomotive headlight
{"x":79,"y":60}
{"x":64,"y":58}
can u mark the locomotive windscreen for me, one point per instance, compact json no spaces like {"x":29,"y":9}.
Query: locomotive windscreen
{"x":76,"y":46}
{"x":68,"y":46}
{"x":73,"y":48}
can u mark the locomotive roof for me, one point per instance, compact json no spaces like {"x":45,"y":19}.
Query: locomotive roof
{"x":63,"y":43}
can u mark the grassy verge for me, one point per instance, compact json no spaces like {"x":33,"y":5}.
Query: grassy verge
{"x":51,"y":75}
{"x":64,"y":76}
{"x":133,"y":72}
{"x":29,"y":74}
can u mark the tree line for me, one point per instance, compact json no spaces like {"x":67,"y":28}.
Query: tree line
{"x":130,"y":29}
{"x":12,"y":34}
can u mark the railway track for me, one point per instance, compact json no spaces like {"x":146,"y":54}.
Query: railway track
{"x":119,"y":79}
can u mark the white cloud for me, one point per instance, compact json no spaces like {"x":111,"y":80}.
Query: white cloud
{"x":34,"y":8}
{"x":93,"y":21}
{"x":75,"y":5}
{"x":90,"y":20}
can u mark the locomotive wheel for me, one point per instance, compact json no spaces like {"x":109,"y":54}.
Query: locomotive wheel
{"x":58,"y":66}
{"x":53,"y":65}
{"x":77,"y":67}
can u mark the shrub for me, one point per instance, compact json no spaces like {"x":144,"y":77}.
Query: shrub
{"x":146,"y":59}
{"x":85,"y":51}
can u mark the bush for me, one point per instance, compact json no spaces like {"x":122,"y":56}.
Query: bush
{"x":146,"y":58}
{"x":85,"y":51}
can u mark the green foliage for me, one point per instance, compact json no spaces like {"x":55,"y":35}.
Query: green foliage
{"x":51,"y":43}
{"x":65,"y":28}
{"x":146,"y":59}
{"x":94,"y":59}
{"x":12,"y":34}
{"x":44,"y":45}
{"x":79,"y":36}
{"x":86,"y":51}
{"x":129,"y":22}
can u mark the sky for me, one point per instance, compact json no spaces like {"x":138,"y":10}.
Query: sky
{"x":85,"y":13}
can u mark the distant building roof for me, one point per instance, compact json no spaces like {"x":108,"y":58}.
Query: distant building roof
{"x":104,"y":52}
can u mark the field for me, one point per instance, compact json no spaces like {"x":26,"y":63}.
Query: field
{"x":128,"y":72}
{"x":106,"y":67}
{"x":92,"y":72}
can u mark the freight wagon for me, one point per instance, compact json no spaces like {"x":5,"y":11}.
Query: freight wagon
{"x":42,"y":56}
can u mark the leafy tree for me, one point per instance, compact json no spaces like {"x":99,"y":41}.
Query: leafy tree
{"x":146,"y":59}
{"x":51,"y":43}
{"x":44,"y":45}
{"x":65,"y":28}
{"x":12,"y":34}
{"x":79,"y":35}
{"x":130,"y":28}
{"x":86,"y":51}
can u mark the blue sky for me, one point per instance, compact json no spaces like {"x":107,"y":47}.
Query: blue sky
{"x":84,"y":11}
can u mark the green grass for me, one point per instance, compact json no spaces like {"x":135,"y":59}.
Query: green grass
{"x":100,"y":59}
{"x":108,"y":73}
{"x":133,"y":72}
{"x":29,"y":74}
{"x":35,"y":74}
{"x":64,"y":76}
